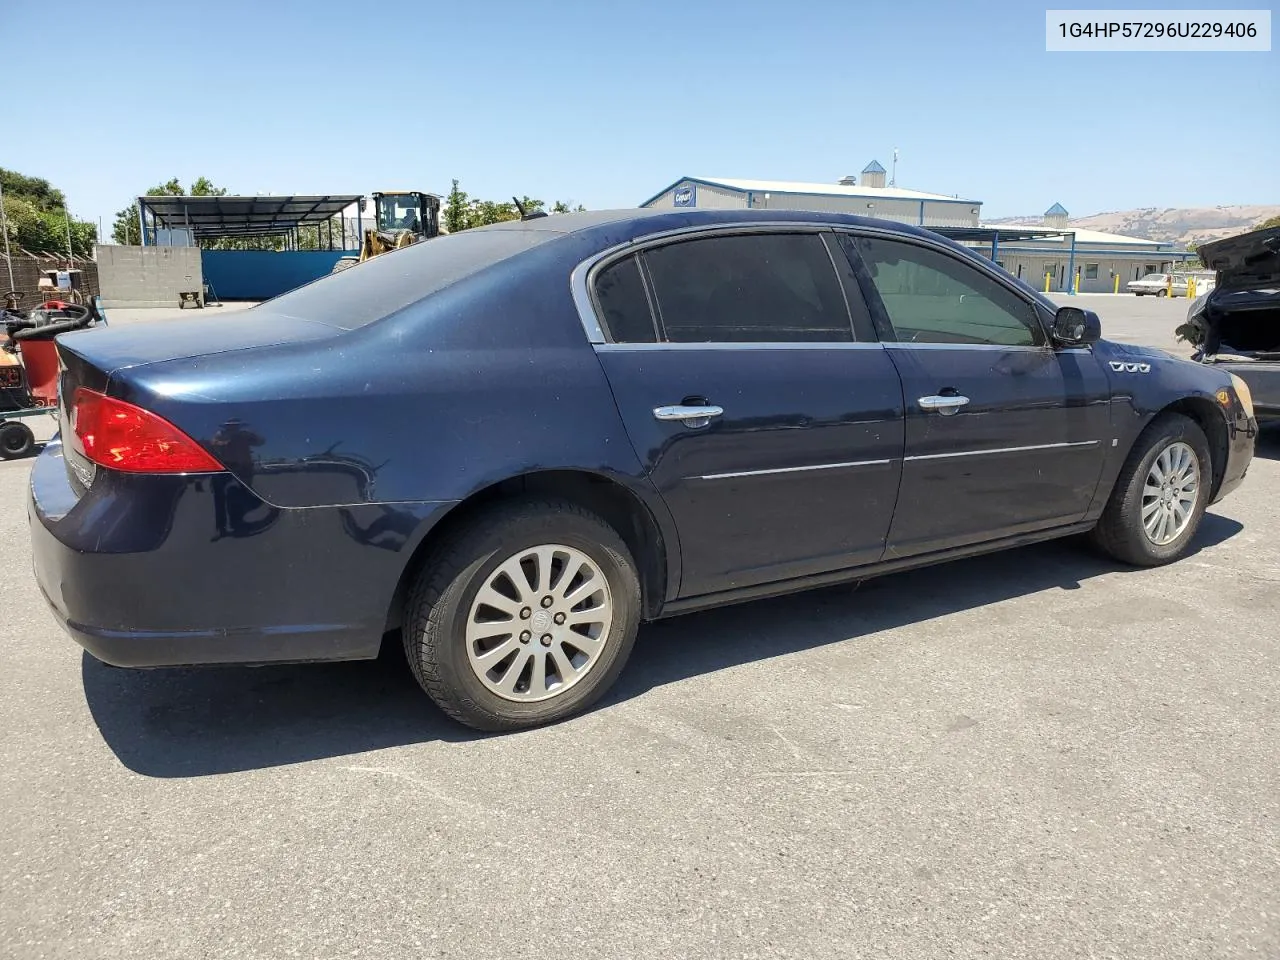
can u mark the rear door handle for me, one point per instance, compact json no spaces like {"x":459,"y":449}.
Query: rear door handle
{"x":947,"y":406}
{"x":691,"y":416}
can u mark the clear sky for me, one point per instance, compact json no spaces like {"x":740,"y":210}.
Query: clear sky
{"x":607,"y":103}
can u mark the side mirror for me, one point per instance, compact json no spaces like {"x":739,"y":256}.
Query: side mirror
{"x":1075,"y":327}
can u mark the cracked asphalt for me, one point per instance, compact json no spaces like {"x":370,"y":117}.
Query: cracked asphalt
{"x":1033,"y":754}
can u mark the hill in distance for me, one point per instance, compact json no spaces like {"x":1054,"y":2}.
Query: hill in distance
{"x":1181,"y":225}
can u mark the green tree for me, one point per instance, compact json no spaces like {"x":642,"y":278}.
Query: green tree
{"x":456,"y":210}
{"x":36,"y":217}
{"x":566,"y":206}
{"x":1264,"y":225}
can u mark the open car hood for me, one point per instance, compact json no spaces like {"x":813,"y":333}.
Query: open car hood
{"x":1251,"y":259}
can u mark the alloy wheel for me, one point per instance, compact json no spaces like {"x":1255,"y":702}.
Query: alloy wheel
{"x":1170,"y":494}
{"x":539,"y":623}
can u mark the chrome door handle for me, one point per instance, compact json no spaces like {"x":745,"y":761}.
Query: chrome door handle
{"x":947,"y":406}
{"x":692,"y":417}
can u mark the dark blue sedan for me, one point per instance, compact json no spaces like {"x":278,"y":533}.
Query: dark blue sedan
{"x":514,"y":444}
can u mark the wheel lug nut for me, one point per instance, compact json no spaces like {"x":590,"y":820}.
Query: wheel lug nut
{"x":559,"y":618}
{"x":525,"y":636}
{"x":526,"y":613}
{"x":547,"y":601}
{"x":546,"y":639}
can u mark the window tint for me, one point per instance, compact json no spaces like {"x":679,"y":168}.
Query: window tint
{"x":748,"y":288}
{"x":931,"y":297}
{"x":624,"y":308}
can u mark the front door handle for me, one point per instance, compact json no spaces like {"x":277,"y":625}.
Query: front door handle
{"x":947,"y":406}
{"x":691,"y":416}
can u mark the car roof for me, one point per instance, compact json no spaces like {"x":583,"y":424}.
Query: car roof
{"x":639,"y":222}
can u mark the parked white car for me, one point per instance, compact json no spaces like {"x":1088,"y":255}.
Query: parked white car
{"x":1157,"y":285}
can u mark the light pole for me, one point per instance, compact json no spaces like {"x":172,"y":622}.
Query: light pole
{"x":4,"y":228}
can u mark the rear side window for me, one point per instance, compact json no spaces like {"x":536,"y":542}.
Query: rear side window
{"x":749,"y":288}
{"x":624,"y":306}
{"x":391,"y":281}
{"x":931,"y":297}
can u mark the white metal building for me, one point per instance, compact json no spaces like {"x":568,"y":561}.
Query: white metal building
{"x":1099,"y":258}
{"x":871,"y":198}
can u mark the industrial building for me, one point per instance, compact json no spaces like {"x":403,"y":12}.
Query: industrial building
{"x":1052,"y":247}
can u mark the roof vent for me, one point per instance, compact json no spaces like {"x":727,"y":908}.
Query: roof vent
{"x":848,"y":180}
{"x":873,"y":174}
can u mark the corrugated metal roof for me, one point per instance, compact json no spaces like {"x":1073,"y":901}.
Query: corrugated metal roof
{"x":1057,"y":210}
{"x":824,"y":189}
{"x":1086,"y":236}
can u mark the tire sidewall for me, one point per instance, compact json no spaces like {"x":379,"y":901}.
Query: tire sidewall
{"x":1180,"y":430}
{"x":11,"y":447}
{"x":605,"y":549}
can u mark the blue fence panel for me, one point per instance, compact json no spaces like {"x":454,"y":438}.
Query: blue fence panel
{"x":262,"y":274}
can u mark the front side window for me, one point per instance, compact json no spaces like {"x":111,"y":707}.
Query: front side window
{"x":932,"y":297}
{"x":748,"y":288}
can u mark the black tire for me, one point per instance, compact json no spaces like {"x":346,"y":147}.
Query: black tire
{"x":16,"y":440}
{"x":440,"y":603}
{"x":1120,"y":531}
{"x":1163,"y":293}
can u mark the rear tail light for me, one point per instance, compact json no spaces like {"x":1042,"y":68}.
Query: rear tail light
{"x":121,"y":436}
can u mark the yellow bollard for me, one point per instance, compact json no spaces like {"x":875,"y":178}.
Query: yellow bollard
{"x":1077,"y":289}
{"x":1168,"y":287}
{"x":1116,"y":285}
{"x":1047,"y":275}
{"x":1191,"y":288}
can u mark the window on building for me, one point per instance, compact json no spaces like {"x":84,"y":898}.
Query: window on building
{"x":931,"y":297}
{"x":751,"y":288}
{"x":624,"y":307}
{"x":1091,"y":271}
{"x":1051,"y":269}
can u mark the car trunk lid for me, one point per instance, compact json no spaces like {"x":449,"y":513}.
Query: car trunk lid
{"x":1249,"y":260}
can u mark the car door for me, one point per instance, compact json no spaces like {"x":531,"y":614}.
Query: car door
{"x":772,"y":430}
{"x":1004,"y":433}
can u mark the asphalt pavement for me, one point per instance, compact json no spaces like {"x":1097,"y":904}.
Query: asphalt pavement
{"x":1037,"y":754}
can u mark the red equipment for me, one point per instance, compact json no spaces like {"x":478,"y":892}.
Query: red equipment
{"x":29,"y":386}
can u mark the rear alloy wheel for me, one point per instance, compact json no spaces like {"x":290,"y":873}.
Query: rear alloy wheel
{"x":525,"y":617}
{"x":1162,"y":293}
{"x":1160,"y":495}
{"x":16,"y":440}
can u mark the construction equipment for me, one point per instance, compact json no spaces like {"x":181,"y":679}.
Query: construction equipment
{"x":402,"y":219}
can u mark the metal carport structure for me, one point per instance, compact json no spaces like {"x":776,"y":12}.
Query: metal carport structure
{"x":217,"y":218}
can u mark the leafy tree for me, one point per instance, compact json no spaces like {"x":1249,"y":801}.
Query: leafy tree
{"x":37,"y":220}
{"x":456,"y":208}
{"x":1264,"y":225}
{"x":566,"y":206}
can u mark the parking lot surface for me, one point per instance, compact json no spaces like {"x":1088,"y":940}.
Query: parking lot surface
{"x":1031,"y":754}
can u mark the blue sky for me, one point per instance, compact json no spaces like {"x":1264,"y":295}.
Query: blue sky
{"x":606,"y":103}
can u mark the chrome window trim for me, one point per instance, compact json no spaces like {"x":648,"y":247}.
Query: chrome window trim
{"x":777,"y":470}
{"x":979,"y":453}
{"x":582,"y":275}
{"x":742,"y":345}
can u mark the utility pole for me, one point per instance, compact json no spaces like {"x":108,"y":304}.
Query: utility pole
{"x":4,"y":228}
{"x":893,"y":177}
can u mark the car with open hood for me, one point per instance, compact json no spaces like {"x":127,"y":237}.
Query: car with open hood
{"x":1236,"y":325}
{"x":508,"y":447}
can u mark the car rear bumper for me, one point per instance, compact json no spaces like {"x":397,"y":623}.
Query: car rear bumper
{"x":1263,"y":378}
{"x":168,"y":571}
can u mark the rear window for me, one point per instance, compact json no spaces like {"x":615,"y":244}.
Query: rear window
{"x":376,"y":288}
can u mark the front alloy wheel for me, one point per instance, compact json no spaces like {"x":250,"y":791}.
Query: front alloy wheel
{"x":1170,"y":494}
{"x":1160,"y":496}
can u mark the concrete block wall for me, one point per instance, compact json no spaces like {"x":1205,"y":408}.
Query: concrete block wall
{"x":147,"y":276}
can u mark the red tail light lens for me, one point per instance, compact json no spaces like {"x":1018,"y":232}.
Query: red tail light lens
{"x":124,"y":437}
